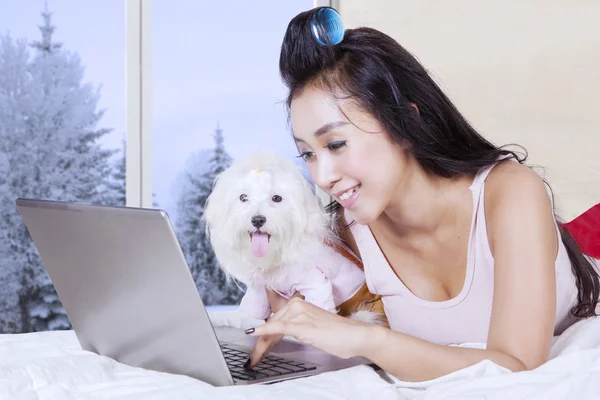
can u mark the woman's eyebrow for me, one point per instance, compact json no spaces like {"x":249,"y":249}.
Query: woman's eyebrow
{"x":324,"y":129}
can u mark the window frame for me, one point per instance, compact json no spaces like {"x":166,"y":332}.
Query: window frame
{"x":138,"y":181}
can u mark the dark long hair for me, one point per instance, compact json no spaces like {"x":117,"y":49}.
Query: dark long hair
{"x":385,"y":80}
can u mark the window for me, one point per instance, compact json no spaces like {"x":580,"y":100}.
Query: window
{"x":215,"y":81}
{"x":62,"y":134}
{"x":66,"y":109}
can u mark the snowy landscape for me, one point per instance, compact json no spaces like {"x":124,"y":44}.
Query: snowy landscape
{"x":55,"y":144}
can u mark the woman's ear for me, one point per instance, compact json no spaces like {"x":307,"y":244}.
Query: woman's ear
{"x":415,"y":107}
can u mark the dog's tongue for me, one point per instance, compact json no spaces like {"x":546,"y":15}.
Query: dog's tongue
{"x":259,"y":243}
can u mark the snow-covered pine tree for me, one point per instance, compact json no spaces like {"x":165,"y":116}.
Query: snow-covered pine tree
{"x":83,"y":168}
{"x":53,"y":153}
{"x":220,"y":159}
{"x":116,"y":193}
{"x":223,"y":292}
{"x":14,"y":91}
{"x":189,"y":212}
{"x":22,"y":272}
{"x":195,"y":186}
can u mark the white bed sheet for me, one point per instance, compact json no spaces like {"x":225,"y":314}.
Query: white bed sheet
{"x":51,"y":365}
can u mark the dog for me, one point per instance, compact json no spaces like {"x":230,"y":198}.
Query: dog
{"x":269,"y":231}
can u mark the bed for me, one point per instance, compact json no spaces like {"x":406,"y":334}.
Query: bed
{"x":52,"y":365}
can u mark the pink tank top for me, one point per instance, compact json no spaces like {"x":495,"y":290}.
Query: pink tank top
{"x":466,"y":317}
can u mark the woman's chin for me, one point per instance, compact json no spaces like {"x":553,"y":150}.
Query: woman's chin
{"x":360,"y":215}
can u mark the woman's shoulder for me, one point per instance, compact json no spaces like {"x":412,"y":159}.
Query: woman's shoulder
{"x":515,"y":181}
{"x":516,"y":198}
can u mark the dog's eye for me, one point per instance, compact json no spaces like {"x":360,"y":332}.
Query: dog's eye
{"x":243,"y":198}
{"x":277,"y":198}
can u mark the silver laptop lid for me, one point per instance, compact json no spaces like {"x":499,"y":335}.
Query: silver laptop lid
{"x":126,"y":287}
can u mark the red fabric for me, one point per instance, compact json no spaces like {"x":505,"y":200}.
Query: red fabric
{"x":585,"y":229}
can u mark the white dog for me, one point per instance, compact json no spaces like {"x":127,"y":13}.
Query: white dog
{"x":269,"y":231}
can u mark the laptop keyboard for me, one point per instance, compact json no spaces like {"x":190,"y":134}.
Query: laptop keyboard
{"x":269,"y":366}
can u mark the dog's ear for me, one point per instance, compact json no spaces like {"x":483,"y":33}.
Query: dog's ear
{"x":317,"y":218}
{"x":214,"y":208}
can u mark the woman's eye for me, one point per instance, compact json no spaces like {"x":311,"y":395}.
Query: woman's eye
{"x":277,"y":198}
{"x":336,"y":145}
{"x":243,"y":198}
{"x":333,"y":146}
{"x":306,"y":155}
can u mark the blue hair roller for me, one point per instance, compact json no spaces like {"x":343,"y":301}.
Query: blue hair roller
{"x":327,"y":21}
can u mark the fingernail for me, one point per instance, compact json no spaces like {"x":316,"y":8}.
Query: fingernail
{"x":248,"y":331}
{"x":247,"y":363}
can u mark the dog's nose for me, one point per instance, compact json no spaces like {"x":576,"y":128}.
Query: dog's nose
{"x":258,"y":220}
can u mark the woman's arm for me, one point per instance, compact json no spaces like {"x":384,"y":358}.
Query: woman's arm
{"x":403,"y":356}
{"x":412,"y":359}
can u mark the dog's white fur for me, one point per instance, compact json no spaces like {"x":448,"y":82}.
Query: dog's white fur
{"x":298,"y":224}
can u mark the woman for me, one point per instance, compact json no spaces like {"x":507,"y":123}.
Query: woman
{"x":456,"y":234}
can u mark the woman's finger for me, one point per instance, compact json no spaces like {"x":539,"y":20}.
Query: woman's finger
{"x":262,"y":347}
{"x":269,"y":328}
{"x":265,"y":343}
{"x":278,"y":322}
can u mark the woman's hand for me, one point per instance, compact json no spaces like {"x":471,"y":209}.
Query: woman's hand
{"x":277,"y":302}
{"x":340,"y":336}
{"x":265,"y":343}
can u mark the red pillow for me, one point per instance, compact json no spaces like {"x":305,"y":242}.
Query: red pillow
{"x":585,"y":229}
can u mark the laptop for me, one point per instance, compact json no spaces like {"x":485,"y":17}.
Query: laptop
{"x":123,"y":281}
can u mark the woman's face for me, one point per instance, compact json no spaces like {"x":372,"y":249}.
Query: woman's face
{"x":348,"y":153}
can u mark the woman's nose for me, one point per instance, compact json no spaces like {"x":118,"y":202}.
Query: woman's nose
{"x":326,"y":173}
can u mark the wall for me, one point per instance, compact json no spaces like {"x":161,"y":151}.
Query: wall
{"x":522,"y":71}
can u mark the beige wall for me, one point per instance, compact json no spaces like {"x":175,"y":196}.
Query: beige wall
{"x":525,"y":71}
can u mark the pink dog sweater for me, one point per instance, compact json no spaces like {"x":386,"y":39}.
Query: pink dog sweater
{"x":327,"y":282}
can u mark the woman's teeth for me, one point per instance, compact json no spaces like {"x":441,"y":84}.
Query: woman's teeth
{"x":346,"y":195}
